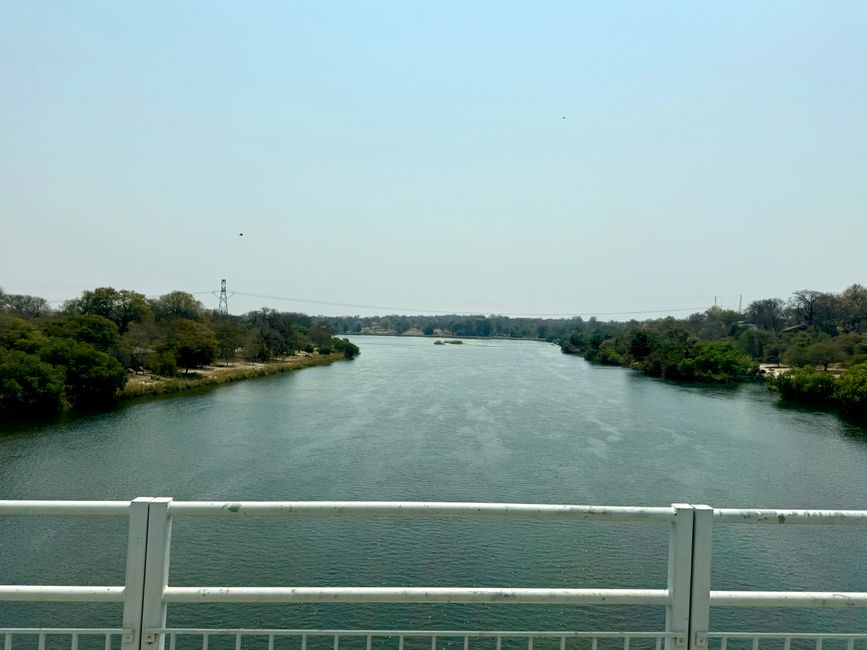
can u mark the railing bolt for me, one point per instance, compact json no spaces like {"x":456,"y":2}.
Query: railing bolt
{"x":128,"y":636}
{"x":680,"y":641}
{"x":150,"y":637}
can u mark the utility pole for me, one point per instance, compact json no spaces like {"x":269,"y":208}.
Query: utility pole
{"x":223,"y":309}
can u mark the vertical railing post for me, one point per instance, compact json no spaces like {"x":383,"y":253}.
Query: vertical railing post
{"x":699,"y":610}
{"x":679,"y":576}
{"x":157,"y":572}
{"x":135,"y":573}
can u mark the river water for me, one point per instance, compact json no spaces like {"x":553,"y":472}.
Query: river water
{"x":507,"y":421}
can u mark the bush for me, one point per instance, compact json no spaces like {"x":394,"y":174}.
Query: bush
{"x":349,"y":349}
{"x":851,"y":391}
{"x":162,"y":363}
{"x":608,"y":354}
{"x":805,"y":385}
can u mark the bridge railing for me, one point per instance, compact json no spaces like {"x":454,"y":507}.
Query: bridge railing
{"x":687,"y":595}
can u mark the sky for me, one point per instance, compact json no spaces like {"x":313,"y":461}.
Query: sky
{"x":565,"y":158}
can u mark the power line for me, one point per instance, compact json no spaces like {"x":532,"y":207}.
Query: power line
{"x":419,"y":310}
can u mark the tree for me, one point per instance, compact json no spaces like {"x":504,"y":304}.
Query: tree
{"x":851,"y":391}
{"x":122,"y":307}
{"x":100,"y":332}
{"x":193,"y":344}
{"x":853,"y":307}
{"x":92,"y":377}
{"x":254,"y":347}
{"x":803,"y":305}
{"x":756,"y":342}
{"x":140,"y":340}
{"x":825,"y":352}
{"x":28,"y":385}
{"x":21,"y":335}
{"x":827,"y":313}
{"x":230,"y":336}
{"x":320,"y":334}
{"x":769,"y":314}
{"x":23,"y":305}
{"x":177,"y":305}
{"x":349,"y":349}
{"x":715,"y":323}
{"x":640,"y":344}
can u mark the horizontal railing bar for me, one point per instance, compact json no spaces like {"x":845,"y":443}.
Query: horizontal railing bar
{"x":62,"y":630}
{"x":64,"y":508}
{"x":785,"y":635}
{"x":805,"y":599}
{"x":422,"y":509}
{"x":412,"y":633}
{"x":801,"y":517}
{"x":61,"y":594}
{"x":416,"y":595}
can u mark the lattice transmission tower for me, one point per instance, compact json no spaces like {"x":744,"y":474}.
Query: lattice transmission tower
{"x":223,"y":309}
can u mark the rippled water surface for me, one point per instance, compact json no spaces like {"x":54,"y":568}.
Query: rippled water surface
{"x":484,"y":421}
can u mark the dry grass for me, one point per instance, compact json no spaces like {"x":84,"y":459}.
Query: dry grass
{"x":147,"y":384}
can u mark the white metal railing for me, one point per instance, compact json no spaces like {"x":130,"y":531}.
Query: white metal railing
{"x":687,"y":596}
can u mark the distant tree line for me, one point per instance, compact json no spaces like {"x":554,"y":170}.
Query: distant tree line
{"x":80,"y":356}
{"x":453,"y":325}
{"x":812,"y":331}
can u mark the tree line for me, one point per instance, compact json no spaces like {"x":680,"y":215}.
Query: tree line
{"x":811,"y":332}
{"x":81,"y":355}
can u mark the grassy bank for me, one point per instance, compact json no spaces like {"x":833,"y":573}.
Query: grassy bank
{"x":147,"y":385}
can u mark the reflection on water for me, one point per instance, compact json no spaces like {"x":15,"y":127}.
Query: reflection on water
{"x":486,"y":421}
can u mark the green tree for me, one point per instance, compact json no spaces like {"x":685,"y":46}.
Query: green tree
{"x":754,"y":341}
{"x":193,"y":344}
{"x":177,"y":305}
{"x":121,"y":307}
{"x":853,"y":307}
{"x":825,"y":352}
{"x":851,"y":391}
{"x":99,"y":331}
{"x":320,"y":334}
{"x":28,"y":385}
{"x":24,"y":306}
{"x":230,"y":336}
{"x":140,"y":341}
{"x":92,"y":377}
{"x":21,"y":335}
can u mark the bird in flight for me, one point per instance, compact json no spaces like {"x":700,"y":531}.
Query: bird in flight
{"x":240,"y":234}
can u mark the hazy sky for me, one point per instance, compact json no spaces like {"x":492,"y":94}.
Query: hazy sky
{"x":415,"y":155}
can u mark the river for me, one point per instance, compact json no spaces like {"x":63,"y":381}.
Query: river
{"x":489,"y":420}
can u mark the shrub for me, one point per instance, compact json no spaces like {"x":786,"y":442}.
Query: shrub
{"x":851,"y":390}
{"x":162,"y":363}
{"x":349,"y":349}
{"x":805,"y":385}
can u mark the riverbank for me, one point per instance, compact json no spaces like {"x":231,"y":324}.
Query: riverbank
{"x":148,"y":384}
